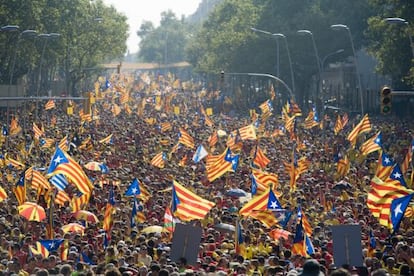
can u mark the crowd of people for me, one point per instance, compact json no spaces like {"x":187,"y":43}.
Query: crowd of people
{"x":137,"y":137}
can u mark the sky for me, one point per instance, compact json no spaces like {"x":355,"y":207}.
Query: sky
{"x":138,"y":11}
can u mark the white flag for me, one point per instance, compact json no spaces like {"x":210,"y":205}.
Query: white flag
{"x":199,"y":154}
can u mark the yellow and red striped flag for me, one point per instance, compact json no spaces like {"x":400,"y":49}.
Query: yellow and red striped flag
{"x":159,"y":160}
{"x":61,"y":198}
{"x":259,"y":158}
{"x":38,"y":132}
{"x":247,"y":133}
{"x":62,"y":163}
{"x":50,"y":104}
{"x":264,"y":216}
{"x":39,"y":181}
{"x":408,"y":158}
{"x":278,"y":233}
{"x":186,"y":205}
{"x":213,"y":139}
{"x":106,"y":140}
{"x":363,"y":126}
{"x":64,"y":143}
{"x":3,"y":194}
{"x":343,"y":166}
{"x":185,"y":138}
{"x":372,"y":144}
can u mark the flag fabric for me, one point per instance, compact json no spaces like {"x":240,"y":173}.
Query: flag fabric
{"x":64,"y":143}
{"x":185,"y":138}
{"x":408,"y":158}
{"x":79,"y":201}
{"x":363,"y":126}
{"x":265,"y":201}
{"x":310,"y":120}
{"x":59,"y":181}
{"x":264,"y":216}
{"x":266,"y":107}
{"x":371,"y":145}
{"x":133,"y":189}
{"x":338,"y":125}
{"x":166,"y":126}
{"x":109,"y":210}
{"x":293,"y":108}
{"x":19,"y":190}
{"x":299,"y":242}
{"x":107,"y":140}
{"x":397,"y":175}
{"x":278,"y":233}
{"x":217,"y":166}
{"x":134,"y":213}
{"x":304,"y":221}
{"x":213,"y":139}
{"x":259,"y":158}
{"x":170,"y":220}
{"x":310,"y":249}
{"x":186,"y":205}
{"x":61,"y":198}
{"x":159,"y":160}
{"x":50,"y":104}
{"x":85,"y":259}
{"x":62,"y":163}
{"x":199,"y":154}
{"x":3,"y":194}
{"x":398,"y":207}
{"x":51,"y":245}
{"x":343,"y":166}
{"x":38,"y":132}
{"x":39,"y":181}
{"x":381,"y":196}
{"x":372,"y":244}
{"x":247,"y":133}
{"x":384,"y":166}
{"x":15,"y":163}
{"x":239,"y":244}
{"x":264,"y":180}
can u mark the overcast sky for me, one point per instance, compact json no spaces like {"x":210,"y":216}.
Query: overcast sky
{"x":138,"y":11}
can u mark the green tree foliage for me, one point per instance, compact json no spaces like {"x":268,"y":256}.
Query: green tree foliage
{"x":164,"y":44}
{"x":390,"y":43}
{"x":91,"y":33}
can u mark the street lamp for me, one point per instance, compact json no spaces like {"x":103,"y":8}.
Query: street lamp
{"x":309,"y":33}
{"x":45,"y":37}
{"x":338,"y":27}
{"x":401,"y":21}
{"x":23,"y":35}
{"x":288,"y":54}
{"x":277,"y":47}
{"x":339,"y":51}
{"x":9,"y":28}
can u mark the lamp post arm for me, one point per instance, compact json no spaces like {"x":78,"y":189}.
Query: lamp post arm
{"x":292,"y":96}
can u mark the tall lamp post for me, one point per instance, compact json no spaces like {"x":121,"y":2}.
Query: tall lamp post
{"x":23,"y":35}
{"x":318,"y":65}
{"x":338,"y":27}
{"x":277,"y":47}
{"x":45,"y":37}
{"x":277,"y":35}
{"x":401,"y":21}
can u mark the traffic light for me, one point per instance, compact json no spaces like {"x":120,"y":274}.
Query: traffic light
{"x":386,"y":100}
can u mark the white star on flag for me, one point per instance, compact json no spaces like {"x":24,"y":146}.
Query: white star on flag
{"x":397,"y":175}
{"x":387,"y":160}
{"x":57,"y":160}
{"x":273,"y":204}
{"x":398,"y":210}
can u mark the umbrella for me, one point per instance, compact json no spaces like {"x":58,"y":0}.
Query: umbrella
{"x":236,"y":192}
{"x":221,"y":133}
{"x":86,"y":215}
{"x":32,"y":211}
{"x":73,"y":227}
{"x":93,"y":166}
{"x":153,"y":229}
{"x":342,"y":185}
{"x":225,"y":227}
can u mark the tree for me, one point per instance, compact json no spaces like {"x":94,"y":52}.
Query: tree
{"x":389,"y":43}
{"x":164,"y":44}
{"x":90,"y":34}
